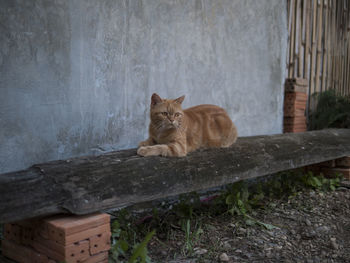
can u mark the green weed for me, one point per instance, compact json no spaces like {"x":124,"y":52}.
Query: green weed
{"x":124,"y":242}
{"x":184,"y":220}
{"x":332,"y":111}
{"x":191,"y":237}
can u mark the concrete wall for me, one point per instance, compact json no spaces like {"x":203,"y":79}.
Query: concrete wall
{"x":76,"y":76}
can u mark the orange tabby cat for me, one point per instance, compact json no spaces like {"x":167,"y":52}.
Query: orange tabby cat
{"x":175,"y":132}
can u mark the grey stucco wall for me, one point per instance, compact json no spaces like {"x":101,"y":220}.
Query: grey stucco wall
{"x":76,"y":76}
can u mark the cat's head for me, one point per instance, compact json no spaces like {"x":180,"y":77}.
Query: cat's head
{"x":166,"y":113}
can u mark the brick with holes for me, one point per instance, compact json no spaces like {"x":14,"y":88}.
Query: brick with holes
{"x":13,"y":232}
{"x":343,"y":162}
{"x":331,"y":172}
{"x":98,"y":258}
{"x":99,"y":243}
{"x":72,"y":253}
{"x":67,"y":230}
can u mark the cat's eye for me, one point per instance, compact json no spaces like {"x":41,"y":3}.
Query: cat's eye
{"x":165,"y":113}
{"x":177,"y":114}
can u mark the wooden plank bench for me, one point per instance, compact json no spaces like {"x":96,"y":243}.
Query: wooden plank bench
{"x":87,"y":184}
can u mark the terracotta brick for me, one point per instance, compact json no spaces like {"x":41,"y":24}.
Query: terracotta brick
{"x":25,"y":231}
{"x":74,"y":252}
{"x":329,"y":164}
{"x":293,"y":113}
{"x":295,"y":96}
{"x":27,"y":236}
{"x":345,"y":161}
{"x":101,"y":257}
{"x":57,"y":257}
{"x":295,"y":88}
{"x":330,"y":172}
{"x":16,"y":252}
{"x":49,"y":252}
{"x":33,"y":227}
{"x":294,"y":103}
{"x":68,"y":225}
{"x":315,"y":169}
{"x":22,"y":254}
{"x":298,"y":125}
{"x":13,"y":233}
{"x":294,"y":106}
{"x":70,"y":239}
{"x":294,"y":120}
{"x":295,"y":127}
{"x":297,"y":81}
{"x":293,"y":131}
{"x":39,"y":257}
{"x":30,"y":223}
{"x":99,"y":243}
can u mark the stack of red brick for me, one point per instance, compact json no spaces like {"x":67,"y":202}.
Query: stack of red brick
{"x":331,"y":168}
{"x":70,"y":239}
{"x":295,"y":99}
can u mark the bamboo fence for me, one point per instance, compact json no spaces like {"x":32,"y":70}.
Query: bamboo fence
{"x":319,"y":46}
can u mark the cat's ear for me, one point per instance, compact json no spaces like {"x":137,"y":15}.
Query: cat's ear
{"x":180,"y":100}
{"x":155,"y":99}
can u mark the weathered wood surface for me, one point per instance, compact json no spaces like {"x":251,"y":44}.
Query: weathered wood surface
{"x":87,"y":184}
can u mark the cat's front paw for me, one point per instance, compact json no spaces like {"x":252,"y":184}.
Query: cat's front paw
{"x":153,"y":150}
{"x":142,"y":150}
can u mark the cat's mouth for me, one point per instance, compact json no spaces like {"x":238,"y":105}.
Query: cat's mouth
{"x":172,"y":125}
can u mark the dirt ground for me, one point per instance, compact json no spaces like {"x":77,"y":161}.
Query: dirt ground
{"x":310,"y":227}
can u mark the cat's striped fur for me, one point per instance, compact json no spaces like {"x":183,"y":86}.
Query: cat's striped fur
{"x":176,"y":132}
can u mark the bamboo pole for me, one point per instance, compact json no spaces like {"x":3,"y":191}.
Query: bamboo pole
{"x":348,"y":62}
{"x":307,"y":51}
{"x":341,"y":55}
{"x":307,"y":40}
{"x":325,"y":48}
{"x":336,"y":50}
{"x":292,"y":37}
{"x":289,"y":2}
{"x":341,"y":79}
{"x":319,"y":48}
{"x":288,"y":12}
{"x":346,"y":34}
{"x":346,"y":68}
{"x":319,"y":44}
{"x":296,"y":38}
{"x":329,"y":52}
{"x":302,"y":10}
{"x":331,"y":70}
{"x":313,"y":48}
{"x":334,"y":63}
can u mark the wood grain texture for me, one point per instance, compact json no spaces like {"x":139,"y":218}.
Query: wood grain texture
{"x":87,"y":184}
